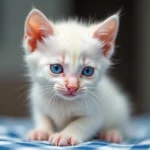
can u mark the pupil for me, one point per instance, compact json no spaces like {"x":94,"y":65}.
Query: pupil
{"x":87,"y":70}
{"x":56,"y":68}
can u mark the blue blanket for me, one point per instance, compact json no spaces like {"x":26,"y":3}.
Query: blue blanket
{"x":13,"y":132}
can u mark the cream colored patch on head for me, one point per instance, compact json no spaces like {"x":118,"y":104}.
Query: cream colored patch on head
{"x":74,"y":35}
{"x":74,"y":60}
{"x":75,"y":53}
{"x":74,"y":57}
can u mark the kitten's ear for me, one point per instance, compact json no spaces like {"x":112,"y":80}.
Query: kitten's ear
{"x":106,"y":32}
{"x":37,"y":26}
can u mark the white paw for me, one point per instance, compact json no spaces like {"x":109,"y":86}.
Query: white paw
{"x":113,"y":136}
{"x":60,"y":139}
{"x":38,"y":134}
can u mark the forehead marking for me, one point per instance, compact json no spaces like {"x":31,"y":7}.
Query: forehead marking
{"x":74,"y":58}
{"x":63,"y":59}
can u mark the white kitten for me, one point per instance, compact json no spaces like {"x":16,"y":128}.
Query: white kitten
{"x":72,"y":99}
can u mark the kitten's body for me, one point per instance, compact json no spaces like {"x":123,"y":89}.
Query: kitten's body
{"x":99,"y":105}
{"x":109,"y":110}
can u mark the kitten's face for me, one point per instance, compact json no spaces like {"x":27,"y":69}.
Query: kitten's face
{"x":70,"y":71}
{"x":69,"y":59}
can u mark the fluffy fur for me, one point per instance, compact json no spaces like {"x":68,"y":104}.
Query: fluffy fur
{"x":98,"y":105}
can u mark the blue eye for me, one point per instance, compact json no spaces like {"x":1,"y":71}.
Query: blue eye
{"x":88,"y":71}
{"x":56,"y":68}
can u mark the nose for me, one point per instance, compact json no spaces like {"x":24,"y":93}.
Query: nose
{"x":72,"y":88}
{"x":72,"y":84}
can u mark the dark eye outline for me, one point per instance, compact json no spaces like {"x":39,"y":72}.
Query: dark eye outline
{"x":85,"y":74}
{"x":57,"y":65}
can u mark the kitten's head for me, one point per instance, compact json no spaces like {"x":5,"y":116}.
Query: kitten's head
{"x":69,"y":58}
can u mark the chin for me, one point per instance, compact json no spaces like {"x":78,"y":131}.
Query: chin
{"x":69,"y":97}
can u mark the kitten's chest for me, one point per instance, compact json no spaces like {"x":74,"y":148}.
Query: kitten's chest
{"x":63,"y":112}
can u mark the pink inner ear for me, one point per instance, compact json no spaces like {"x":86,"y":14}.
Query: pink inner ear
{"x":37,"y":26}
{"x":106,"y":49}
{"x":106,"y":32}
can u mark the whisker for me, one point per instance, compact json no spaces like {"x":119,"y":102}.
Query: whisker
{"x":49,"y":101}
{"x":95,"y":95}
{"x":86,"y":104}
{"x":47,"y":92}
{"x":90,"y":102}
{"x":23,"y":94}
{"x":56,"y":100}
{"x":29,"y":84}
{"x":92,"y":87}
{"x":53,"y":102}
{"x":25,"y":100}
{"x":21,"y":87}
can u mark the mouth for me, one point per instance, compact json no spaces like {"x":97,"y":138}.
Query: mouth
{"x":70,"y":95}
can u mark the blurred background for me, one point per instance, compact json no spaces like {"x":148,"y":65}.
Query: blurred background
{"x":132,"y":68}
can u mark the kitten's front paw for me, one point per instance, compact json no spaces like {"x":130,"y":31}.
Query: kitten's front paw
{"x":111,"y":136}
{"x":61,"y":139}
{"x":38,"y":134}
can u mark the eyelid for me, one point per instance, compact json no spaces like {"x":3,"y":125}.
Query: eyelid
{"x":55,"y":64}
{"x":89,"y":64}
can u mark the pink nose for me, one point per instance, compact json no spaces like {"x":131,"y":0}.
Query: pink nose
{"x":72,"y":88}
{"x":72,"y":84}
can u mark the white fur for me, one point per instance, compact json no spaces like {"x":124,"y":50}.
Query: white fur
{"x":105,"y":108}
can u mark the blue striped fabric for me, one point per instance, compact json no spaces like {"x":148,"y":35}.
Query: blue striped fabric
{"x":13,"y":132}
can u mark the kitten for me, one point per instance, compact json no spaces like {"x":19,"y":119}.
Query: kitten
{"x":72,"y":99}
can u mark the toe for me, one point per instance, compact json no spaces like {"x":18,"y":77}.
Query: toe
{"x":63,"y":142}
{"x":111,"y":136}
{"x":55,"y":139}
{"x":37,"y":135}
{"x":116,"y":138}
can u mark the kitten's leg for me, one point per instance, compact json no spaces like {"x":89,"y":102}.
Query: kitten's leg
{"x":111,"y":135}
{"x":43,"y":128}
{"x":116,"y":133}
{"x":76,"y":132}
